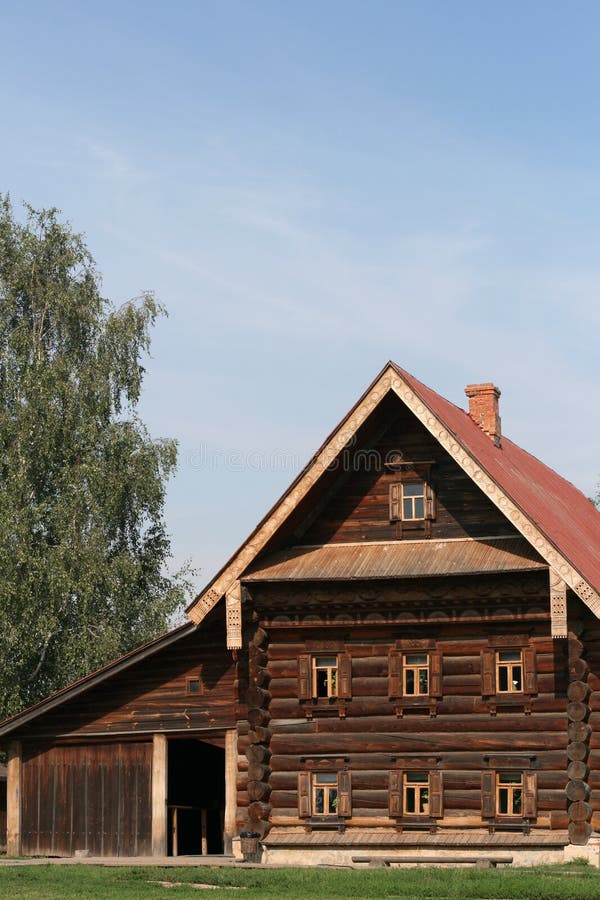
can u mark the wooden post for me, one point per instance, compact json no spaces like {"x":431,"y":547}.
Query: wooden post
{"x":159,"y":795}
{"x":204,"y":838}
{"x":231,"y":764}
{"x":13,"y":799}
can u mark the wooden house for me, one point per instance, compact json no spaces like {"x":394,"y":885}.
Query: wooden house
{"x":2,"y":809}
{"x":402,"y":659}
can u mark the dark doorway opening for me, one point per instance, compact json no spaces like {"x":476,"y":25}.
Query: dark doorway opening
{"x":195,"y":798}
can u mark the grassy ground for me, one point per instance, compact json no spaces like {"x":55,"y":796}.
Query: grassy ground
{"x":83,"y":881}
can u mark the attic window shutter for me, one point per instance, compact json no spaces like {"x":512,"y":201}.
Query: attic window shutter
{"x":488,"y":803}
{"x":488,"y":659}
{"x":344,"y":676}
{"x":530,"y":795}
{"x":529,"y":671}
{"x":435,"y":674}
{"x":303,"y":794}
{"x":395,"y":674}
{"x":429,"y":501}
{"x":395,"y":502}
{"x":344,"y":794}
{"x":304,"y":677}
{"x":436,"y":795}
{"x":395,"y":794}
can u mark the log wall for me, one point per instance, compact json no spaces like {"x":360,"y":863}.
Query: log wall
{"x":460,"y":739}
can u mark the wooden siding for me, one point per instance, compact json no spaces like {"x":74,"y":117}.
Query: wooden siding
{"x":152,"y":695}
{"x":94,"y":798}
{"x":358,"y":509}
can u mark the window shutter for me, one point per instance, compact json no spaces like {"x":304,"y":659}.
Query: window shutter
{"x":395,"y":674}
{"x":303,"y":794}
{"x":345,"y":676}
{"x":530,"y":795}
{"x":344,"y":794}
{"x":435,"y":674}
{"x":429,"y":501}
{"x":304,"y":677}
{"x":488,"y":659}
{"x":395,"y":502}
{"x":529,"y":671}
{"x":488,"y":801}
{"x":436,"y":795}
{"x":395,"y":794}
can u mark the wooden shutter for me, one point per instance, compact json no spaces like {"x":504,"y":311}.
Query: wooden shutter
{"x":395,"y":794}
{"x":344,"y":794}
{"x":429,"y":501}
{"x":488,"y":666}
{"x":529,"y":671}
{"x":395,"y":502}
{"x":529,"y":795}
{"x":304,"y":794}
{"x":344,"y":676}
{"x":436,"y":795}
{"x":488,"y":799}
{"x":304,"y":677}
{"x":395,"y":674}
{"x":435,"y":674}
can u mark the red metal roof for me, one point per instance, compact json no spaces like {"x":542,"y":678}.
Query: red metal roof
{"x":562,"y":512}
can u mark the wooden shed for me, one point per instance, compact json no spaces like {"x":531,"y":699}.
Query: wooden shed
{"x":403,"y":658}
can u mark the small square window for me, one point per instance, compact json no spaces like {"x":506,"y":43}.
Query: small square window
{"x":509,"y":794}
{"x":416,"y":793}
{"x":193,"y":686}
{"x":325,"y":676}
{"x":416,"y":674}
{"x":509,"y":671}
{"x":325,"y":794}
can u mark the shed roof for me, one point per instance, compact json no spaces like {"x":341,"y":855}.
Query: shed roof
{"x":405,"y":559}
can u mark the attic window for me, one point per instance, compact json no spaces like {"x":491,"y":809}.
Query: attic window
{"x":411,"y":501}
{"x":193,"y":686}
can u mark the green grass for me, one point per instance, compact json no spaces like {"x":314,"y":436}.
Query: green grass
{"x":55,"y":882}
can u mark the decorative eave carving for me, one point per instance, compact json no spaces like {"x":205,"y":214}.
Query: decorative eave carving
{"x":558,"y":605}
{"x":388,"y":381}
{"x":233,"y":617}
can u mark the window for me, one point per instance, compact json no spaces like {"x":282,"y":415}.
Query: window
{"x":411,"y":501}
{"x":193,"y":686}
{"x":416,"y":674}
{"x":416,"y":794}
{"x":509,"y":794}
{"x":509,"y":671}
{"x":324,"y":676}
{"x":324,"y":795}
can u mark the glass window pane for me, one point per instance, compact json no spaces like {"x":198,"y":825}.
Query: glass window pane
{"x":326,"y":778}
{"x":326,"y":661}
{"x":423,"y":681}
{"x":322,"y":683}
{"x":503,"y":678}
{"x":424,"y":801}
{"x":419,"y":508}
{"x":333,"y":801}
{"x":410,"y":681}
{"x":319,"y":800}
{"x":407,"y":510}
{"x":416,"y":659}
{"x":516,"y":678}
{"x":420,"y":777}
{"x":516,"y":802}
{"x":410,"y":800}
{"x":503,"y":801}
{"x":510,"y":656}
{"x":413,"y":490}
{"x":510,"y":778}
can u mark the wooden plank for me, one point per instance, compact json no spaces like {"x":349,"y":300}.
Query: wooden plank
{"x":231,"y":765}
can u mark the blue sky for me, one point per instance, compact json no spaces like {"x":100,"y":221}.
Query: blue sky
{"x":312,"y":189}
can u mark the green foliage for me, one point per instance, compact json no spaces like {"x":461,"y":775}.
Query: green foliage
{"x":83,"y":544}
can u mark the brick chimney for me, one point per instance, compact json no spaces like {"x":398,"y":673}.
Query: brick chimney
{"x":483,"y":408}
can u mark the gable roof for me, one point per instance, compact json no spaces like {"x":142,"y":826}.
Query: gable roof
{"x":552,"y":514}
